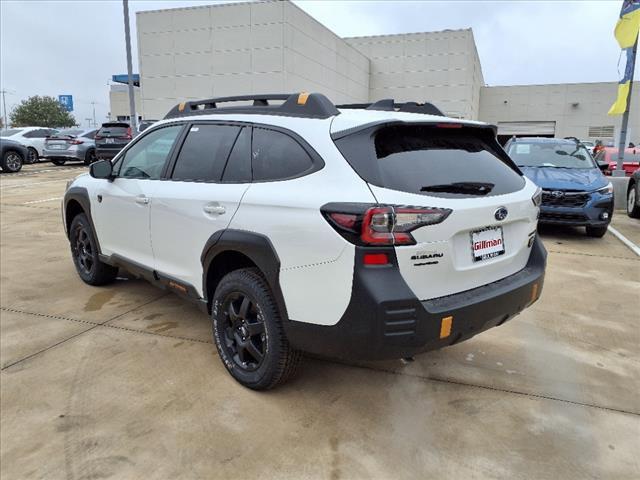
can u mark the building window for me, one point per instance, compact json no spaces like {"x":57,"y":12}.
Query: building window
{"x":604,"y":131}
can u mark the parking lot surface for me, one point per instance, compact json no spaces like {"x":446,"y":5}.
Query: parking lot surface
{"x":124,"y":381}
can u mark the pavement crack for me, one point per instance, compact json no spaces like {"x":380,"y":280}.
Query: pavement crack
{"x":594,"y":255}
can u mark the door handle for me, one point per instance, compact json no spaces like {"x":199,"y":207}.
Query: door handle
{"x":142,"y":200}
{"x":214,"y":208}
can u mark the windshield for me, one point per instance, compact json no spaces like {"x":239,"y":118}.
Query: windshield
{"x":8,"y":133}
{"x":113,"y":131}
{"x":548,"y":154}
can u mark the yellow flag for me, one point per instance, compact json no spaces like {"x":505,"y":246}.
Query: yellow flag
{"x":628,"y":25}
{"x":619,"y":107}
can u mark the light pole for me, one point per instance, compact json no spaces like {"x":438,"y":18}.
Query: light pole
{"x":93,"y":104}
{"x":127,"y":40}
{"x":619,"y":171}
{"x":4,"y":106}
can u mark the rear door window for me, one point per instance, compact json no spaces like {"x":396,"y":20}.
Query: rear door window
{"x":425,"y":159}
{"x":277,"y":156}
{"x":204,"y":152}
{"x":238,"y":168}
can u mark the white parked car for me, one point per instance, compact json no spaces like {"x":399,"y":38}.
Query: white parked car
{"x":31,"y":137}
{"x":361,"y":232}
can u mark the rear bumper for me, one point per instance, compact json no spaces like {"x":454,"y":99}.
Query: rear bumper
{"x":107,"y":153}
{"x":63,"y":154}
{"x":384,"y":320}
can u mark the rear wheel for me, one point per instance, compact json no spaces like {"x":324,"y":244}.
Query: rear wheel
{"x":58,"y":162}
{"x":33,"y":156}
{"x":248,"y":331}
{"x":90,"y":157}
{"x":597,"y":232}
{"x":633,"y":209}
{"x":84,"y":250}
{"x":11,"y":162}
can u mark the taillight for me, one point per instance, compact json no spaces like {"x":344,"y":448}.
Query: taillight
{"x":97,"y":137}
{"x":128,"y":135}
{"x":382,"y":225}
{"x":76,"y":142}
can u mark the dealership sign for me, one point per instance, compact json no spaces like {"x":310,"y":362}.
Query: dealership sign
{"x":66,"y":101}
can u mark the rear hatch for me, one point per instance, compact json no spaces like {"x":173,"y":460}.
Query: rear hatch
{"x":61,"y":142}
{"x":490,"y":221}
{"x":113,"y":136}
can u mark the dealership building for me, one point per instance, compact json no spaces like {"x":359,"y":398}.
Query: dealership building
{"x":274,"y":47}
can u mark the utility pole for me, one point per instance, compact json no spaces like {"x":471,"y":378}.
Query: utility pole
{"x":127,"y":40}
{"x":619,"y":171}
{"x":4,"y":106}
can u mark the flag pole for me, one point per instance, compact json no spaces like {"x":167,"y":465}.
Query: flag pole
{"x":619,"y":171}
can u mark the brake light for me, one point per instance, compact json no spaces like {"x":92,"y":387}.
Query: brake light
{"x":128,"y":135}
{"x":76,"y":142}
{"x":97,"y":137}
{"x":376,"y":259}
{"x":449,"y":125}
{"x":381,"y":225}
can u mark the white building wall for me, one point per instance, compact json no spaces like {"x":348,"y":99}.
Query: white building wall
{"x":575,"y":107}
{"x":439,"y":67}
{"x":238,"y":49}
{"x":119,"y":101}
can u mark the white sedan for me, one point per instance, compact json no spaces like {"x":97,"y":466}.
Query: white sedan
{"x":31,"y":137}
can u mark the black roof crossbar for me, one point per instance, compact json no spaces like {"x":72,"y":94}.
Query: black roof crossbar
{"x":306,"y":105}
{"x":389,"y":105}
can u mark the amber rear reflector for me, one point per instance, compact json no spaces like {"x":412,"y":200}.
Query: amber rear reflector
{"x":445,"y":327}
{"x":302,"y":98}
{"x":181,"y":106}
{"x":534,"y":293}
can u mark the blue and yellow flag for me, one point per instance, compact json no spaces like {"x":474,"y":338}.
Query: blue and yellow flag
{"x":626,"y":33}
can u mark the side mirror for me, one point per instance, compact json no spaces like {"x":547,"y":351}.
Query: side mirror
{"x":101,"y":169}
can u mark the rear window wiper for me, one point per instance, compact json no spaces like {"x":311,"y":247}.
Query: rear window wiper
{"x":471,"y":188}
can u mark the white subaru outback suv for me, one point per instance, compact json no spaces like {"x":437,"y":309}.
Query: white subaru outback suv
{"x":360,"y":231}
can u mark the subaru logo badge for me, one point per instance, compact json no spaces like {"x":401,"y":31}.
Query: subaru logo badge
{"x":501,"y":213}
{"x":557,"y":194}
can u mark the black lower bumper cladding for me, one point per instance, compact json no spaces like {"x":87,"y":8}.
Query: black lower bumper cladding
{"x":384,"y":319}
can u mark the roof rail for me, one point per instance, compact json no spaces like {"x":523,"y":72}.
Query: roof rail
{"x":307,"y":105}
{"x":389,"y":104}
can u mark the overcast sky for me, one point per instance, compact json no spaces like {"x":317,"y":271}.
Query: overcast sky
{"x":73,"y":47}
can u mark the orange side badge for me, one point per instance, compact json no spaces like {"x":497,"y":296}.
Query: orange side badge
{"x":445,"y":327}
{"x":302,"y":98}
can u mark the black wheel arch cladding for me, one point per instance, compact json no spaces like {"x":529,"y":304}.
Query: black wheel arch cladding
{"x":256,"y":247}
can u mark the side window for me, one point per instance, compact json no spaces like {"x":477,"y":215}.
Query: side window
{"x":146,"y":158}
{"x":50,"y":132}
{"x":204,"y":152}
{"x":35,"y":134}
{"x":238,"y":168}
{"x":277,"y":156}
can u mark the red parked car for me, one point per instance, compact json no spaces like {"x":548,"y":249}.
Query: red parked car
{"x":610,"y":156}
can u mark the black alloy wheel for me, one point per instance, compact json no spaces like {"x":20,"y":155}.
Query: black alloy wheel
{"x":33,"y":156}
{"x":83,"y":250}
{"x":244,"y":331}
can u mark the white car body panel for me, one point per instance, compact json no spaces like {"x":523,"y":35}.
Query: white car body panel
{"x":36,"y":143}
{"x":180,"y":226}
{"x":456,"y":271}
{"x":121,"y":220}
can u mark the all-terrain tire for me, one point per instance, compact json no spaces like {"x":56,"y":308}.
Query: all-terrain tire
{"x":241,"y":336}
{"x":84,"y":251}
{"x":633,"y":202}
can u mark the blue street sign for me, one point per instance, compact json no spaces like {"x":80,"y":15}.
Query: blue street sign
{"x":66,"y":101}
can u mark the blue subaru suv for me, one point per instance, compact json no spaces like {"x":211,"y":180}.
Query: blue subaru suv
{"x":574,"y":190}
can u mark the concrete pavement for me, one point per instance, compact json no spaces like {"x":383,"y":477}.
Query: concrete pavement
{"x":124,"y":382}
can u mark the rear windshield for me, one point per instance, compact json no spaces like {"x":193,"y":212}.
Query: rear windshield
{"x":112,"y":132}
{"x":447,"y":162}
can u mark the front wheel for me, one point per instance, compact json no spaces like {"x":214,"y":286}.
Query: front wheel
{"x":633,"y":207}
{"x":84,"y":250}
{"x":32,"y":157}
{"x":11,"y":162}
{"x":248,"y":332}
{"x":58,"y":162}
{"x":597,"y":232}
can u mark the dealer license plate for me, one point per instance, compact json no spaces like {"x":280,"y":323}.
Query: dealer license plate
{"x":487,"y":243}
{"x":108,"y":140}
